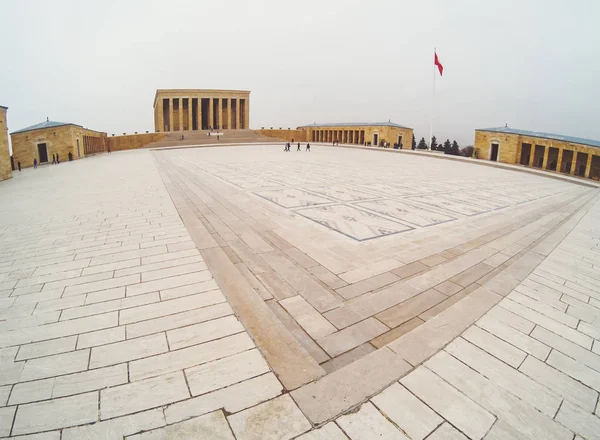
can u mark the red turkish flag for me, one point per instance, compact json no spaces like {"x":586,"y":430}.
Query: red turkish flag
{"x":436,"y":61}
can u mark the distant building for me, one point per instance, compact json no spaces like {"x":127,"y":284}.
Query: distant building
{"x":41,"y":141}
{"x":371,"y":133}
{"x":357,"y":133}
{"x":201,"y":109}
{"x":552,"y":152}
{"x":5,"y":166}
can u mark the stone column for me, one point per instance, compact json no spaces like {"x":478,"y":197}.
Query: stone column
{"x":247,"y":113}
{"x":220,"y":113}
{"x":559,"y":160}
{"x":237,"y":113}
{"x":588,"y":166}
{"x":229,"y":113}
{"x":211,"y":123}
{"x":170,"y":114}
{"x":531,"y":155}
{"x":190,"y":113}
{"x":573,"y":164}
{"x":180,"y":114}
{"x":160,"y":116}
{"x":199,"y":113}
{"x":545,"y":160}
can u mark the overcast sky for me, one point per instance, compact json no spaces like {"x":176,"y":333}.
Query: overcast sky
{"x":532,"y":64}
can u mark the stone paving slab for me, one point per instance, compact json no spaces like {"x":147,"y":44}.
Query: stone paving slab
{"x":113,"y":326}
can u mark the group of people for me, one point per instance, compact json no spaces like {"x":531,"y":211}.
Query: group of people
{"x":288,"y":145}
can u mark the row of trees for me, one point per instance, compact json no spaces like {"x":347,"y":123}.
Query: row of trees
{"x":447,"y":147}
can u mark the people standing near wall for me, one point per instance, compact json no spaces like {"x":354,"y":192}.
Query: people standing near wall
{"x":35,"y":163}
{"x":53,"y":159}
{"x":57,"y":159}
{"x":19,"y":165}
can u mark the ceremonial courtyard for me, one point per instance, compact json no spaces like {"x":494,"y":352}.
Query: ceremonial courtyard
{"x":243,"y":292}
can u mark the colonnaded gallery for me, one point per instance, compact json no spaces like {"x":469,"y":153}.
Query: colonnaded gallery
{"x":198,"y":112}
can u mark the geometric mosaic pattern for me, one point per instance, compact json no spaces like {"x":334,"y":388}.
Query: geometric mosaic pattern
{"x":406,"y":212}
{"x":366,"y":201}
{"x":353,"y":222}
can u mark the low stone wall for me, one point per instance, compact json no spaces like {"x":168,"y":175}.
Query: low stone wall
{"x":285,"y":135}
{"x":132,"y":141}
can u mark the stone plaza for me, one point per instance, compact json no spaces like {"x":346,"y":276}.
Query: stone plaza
{"x":243,"y":292}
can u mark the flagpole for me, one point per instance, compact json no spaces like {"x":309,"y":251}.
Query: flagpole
{"x":432,"y":103}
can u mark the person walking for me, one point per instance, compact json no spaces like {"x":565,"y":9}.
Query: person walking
{"x":53,"y":159}
{"x":35,"y":163}
{"x":298,"y":149}
{"x":57,"y":159}
{"x":19,"y":165}
{"x":308,"y":147}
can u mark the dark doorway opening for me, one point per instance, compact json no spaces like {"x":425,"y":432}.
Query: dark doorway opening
{"x":205,"y":113}
{"x":582,"y":159}
{"x":595,"y":168}
{"x":234,"y":110}
{"x":567,"y":160}
{"x":538,"y":157}
{"x":166,"y":118}
{"x":194,"y":113}
{"x":494,"y":153}
{"x":552,"y":159}
{"x":375,"y":140}
{"x":525,"y":154}
{"x":43,"y":153}
{"x":215,"y":115}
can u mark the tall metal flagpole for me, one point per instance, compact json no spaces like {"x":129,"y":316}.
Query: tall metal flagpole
{"x":432,"y":103}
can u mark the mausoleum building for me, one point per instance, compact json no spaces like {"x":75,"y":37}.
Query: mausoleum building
{"x":201,"y":109}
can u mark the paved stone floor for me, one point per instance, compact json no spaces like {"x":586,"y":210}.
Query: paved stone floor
{"x":244,"y":292}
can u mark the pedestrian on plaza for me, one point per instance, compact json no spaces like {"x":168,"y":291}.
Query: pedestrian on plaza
{"x":19,"y":165}
{"x":35,"y":163}
{"x":298,"y":149}
{"x":307,"y":147}
{"x":292,"y":140}
{"x":53,"y":159}
{"x":70,"y":156}
{"x":57,"y":159}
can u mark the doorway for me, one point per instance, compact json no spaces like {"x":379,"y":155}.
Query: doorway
{"x":43,"y":153}
{"x":375,"y":139}
{"x":78,"y":151}
{"x":494,"y":153}
{"x":399,"y":142}
{"x":525,"y":154}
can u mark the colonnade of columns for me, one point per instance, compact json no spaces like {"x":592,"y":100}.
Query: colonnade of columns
{"x":339,"y":135}
{"x":202,"y":113}
{"x":559,"y":159}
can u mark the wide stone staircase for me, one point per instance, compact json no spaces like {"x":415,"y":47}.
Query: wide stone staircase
{"x":202,"y":138}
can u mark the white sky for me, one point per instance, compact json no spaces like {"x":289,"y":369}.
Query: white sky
{"x":532,"y":64}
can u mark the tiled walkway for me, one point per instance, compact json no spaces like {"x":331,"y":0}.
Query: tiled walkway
{"x":122,"y":279}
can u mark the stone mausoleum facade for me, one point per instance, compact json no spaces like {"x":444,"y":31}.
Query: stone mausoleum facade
{"x":375,"y":133}
{"x":41,"y":141}
{"x":5,"y":166}
{"x":357,"y":133}
{"x":201,"y":109}
{"x":546,"y":151}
